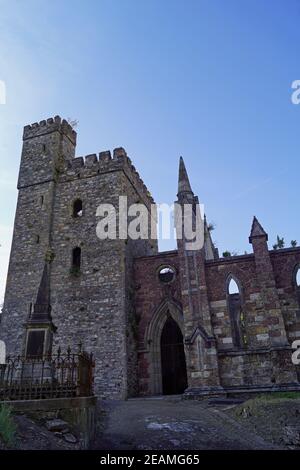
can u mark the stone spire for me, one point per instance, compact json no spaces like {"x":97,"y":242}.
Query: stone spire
{"x":39,"y":326}
{"x":42,"y":309}
{"x":257,"y":231}
{"x":184,"y":186}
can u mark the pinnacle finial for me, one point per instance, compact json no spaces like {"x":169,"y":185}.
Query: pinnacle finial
{"x":42,"y":307}
{"x":183,"y":179}
{"x":257,"y":230}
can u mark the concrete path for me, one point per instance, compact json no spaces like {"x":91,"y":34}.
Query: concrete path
{"x":169,"y":423}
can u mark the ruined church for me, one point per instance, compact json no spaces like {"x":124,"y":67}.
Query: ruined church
{"x":178,"y":322}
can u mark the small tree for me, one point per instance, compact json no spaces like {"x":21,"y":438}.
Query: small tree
{"x":280,"y":243}
{"x":294,"y":243}
{"x":226,"y":254}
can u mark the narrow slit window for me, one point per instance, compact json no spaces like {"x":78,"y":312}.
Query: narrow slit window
{"x":297,"y":288}
{"x":237,"y":316}
{"x":76,"y":258}
{"x":77,"y":208}
{"x":298,"y":278}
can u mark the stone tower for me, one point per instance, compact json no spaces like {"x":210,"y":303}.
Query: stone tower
{"x":89,"y":279}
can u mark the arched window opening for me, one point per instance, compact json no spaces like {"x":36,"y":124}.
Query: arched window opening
{"x":200,"y":344}
{"x":233,"y":288}
{"x":77,"y":208}
{"x":2,"y":352}
{"x":297,"y":287}
{"x":298,"y":277}
{"x":237,"y":316}
{"x":76,"y":258}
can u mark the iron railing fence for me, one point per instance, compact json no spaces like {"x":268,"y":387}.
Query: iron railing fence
{"x":52,"y":376}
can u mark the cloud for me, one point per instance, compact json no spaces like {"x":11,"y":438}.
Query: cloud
{"x":257,"y":186}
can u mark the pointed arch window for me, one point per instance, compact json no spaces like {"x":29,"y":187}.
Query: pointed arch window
{"x":77,"y":208}
{"x":237,"y":317}
{"x":297,"y":285}
{"x":297,"y":277}
{"x":233,"y":288}
{"x":2,"y":352}
{"x":200,"y":344}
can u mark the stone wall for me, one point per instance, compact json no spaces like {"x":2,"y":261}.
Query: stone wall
{"x":80,"y":412}
{"x":284,"y":264}
{"x":150,"y":295}
{"x":260,"y":365}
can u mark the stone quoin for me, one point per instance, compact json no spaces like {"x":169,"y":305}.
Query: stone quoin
{"x":157,"y":323}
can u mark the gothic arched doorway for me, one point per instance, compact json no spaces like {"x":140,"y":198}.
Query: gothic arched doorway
{"x":173,"y":366}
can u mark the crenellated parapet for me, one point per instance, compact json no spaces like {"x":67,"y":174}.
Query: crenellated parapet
{"x":43,"y":154}
{"x":48,"y":126}
{"x":97,"y":164}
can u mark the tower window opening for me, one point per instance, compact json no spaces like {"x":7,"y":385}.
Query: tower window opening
{"x":76,"y":258}
{"x":77,"y":208}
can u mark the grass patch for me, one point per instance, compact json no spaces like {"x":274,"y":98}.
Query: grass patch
{"x":258,"y":405}
{"x":7,"y":425}
{"x":277,"y":395}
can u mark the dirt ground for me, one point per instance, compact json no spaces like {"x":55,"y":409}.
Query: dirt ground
{"x":31,"y":435}
{"x":170,"y":423}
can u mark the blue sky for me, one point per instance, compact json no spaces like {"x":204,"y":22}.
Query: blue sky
{"x":208,"y":80}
